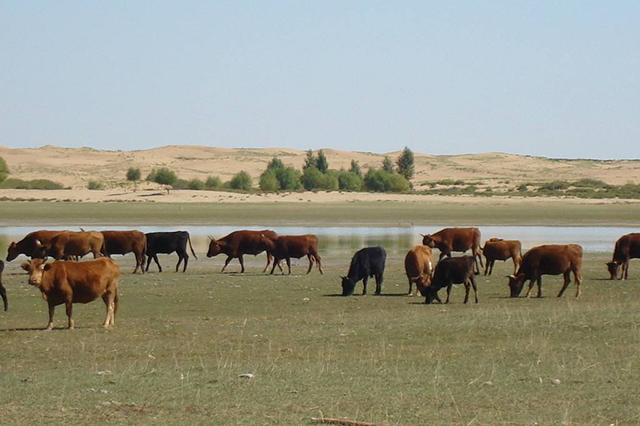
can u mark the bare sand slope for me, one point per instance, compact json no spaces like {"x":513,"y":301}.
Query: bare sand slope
{"x":74,"y":167}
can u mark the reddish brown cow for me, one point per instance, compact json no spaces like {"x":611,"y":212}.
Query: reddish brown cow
{"x":294,"y":246}
{"x":32,"y":245}
{"x":70,"y":244}
{"x":449,"y":240}
{"x":3,"y":291}
{"x":418,"y":267}
{"x":552,"y":259}
{"x":123,"y":242}
{"x":76,"y":282}
{"x":499,"y":249}
{"x":627,"y":248}
{"x":239,"y":243}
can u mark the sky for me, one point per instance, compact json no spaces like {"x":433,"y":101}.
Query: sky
{"x":552,"y":78}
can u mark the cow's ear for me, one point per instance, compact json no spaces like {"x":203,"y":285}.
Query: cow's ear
{"x":25,"y":266}
{"x":46,"y":266}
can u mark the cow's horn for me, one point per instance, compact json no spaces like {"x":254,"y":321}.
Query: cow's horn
{"x":38,"y":243}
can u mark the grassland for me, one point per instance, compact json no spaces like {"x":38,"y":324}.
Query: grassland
{"x":181,"y":341}
{"x":487,"y":212}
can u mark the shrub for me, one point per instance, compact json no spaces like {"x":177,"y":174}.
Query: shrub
{"x":13,"y":183}
{"x":349,"y":181}
{"x":377,"y":180}
{"x":269,"y":181}
{"x":288,"y":179}
{"x":4,"y":169}
{"x":180,"y":184}
{"x":95,"y":185}
{"x":163,"y":176}
{"x":195,"y":184}
{"x":133,"y":174}
{"x":275,"y":164}
{"x":213,"y":182}
{"x":241,"y":181}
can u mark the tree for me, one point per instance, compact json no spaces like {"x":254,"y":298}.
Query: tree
{"x":349,"y":181}
{"x":378,"y":180}
{"x":288,"y":179}
{"x":241,"y":181}
{"x":387,"y":164}
{"x":269,"y":181}
{"x":355,"y":168}
{"x":213,"y":182}
{"x":4,"y":169}
{"x":163,"y":176}
{"x":134,"y":175}
{"x":311,"y":178}
{"x":310,"y":161}
{"x":321,"y":163}
{"x":405,"y":163}
{"x":275,"y":164}
{"x":195,"y":184}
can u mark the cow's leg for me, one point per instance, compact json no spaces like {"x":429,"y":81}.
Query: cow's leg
{"x":626,"y":269}
{"x":449,"y":286}
{"x":467,"y":288}
{"x":268,"y":262}
{"x":567,"y":280}
{"x":155,"y":259}
{"x":276,"y":261}
{"x":531,"y":283}
{"x":317,"y":258}
{"x":379,"y":280}
{"x":310,"y":262}
{"x":364,"y":285}
{"x":539,"y":281}
{"x":515,"y":266}
{"x":226,"y":262}
{"x":475,"y":255}
{"x":52,"y":308}
{"x":410,"y":286}
{"x":486,"y":267}
{"x":186,"y":261}
{"x":69,"y":306}
{"x":475,"y":287}
{"x":288,"y":259}
{"x":149,"y":258}
{"x":109,"y":304}
{"x":241,"y":260}
{"x":578,"y":278}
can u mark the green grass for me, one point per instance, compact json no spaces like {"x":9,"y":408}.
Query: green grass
{"x":525,"y":212}
{"x":180,"y":342}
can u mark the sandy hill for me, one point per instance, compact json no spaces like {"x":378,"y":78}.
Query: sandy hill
{"x":74,"y":167}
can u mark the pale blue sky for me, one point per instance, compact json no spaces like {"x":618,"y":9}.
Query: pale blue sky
{"x":552,"y":78}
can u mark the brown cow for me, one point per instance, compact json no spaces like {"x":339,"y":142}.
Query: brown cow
{"x":552,"y":259}
{"x":448,"y":240}
{"x":76,"y":282}
{"x":418,"y":267}
{"x":32,"y":245}
{"x":3,"y":291}
{"x":296,"y":246}
{"x":499,"y":249}
{"x":239,"y":243}
{"x":627,"y":248}
{"x":123,"y":242}
{"x":69,"y":244}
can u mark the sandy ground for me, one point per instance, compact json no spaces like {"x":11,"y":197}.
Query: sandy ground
{"x":74,"y":167}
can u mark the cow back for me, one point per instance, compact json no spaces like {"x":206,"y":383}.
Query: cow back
{"x":367,"y":262}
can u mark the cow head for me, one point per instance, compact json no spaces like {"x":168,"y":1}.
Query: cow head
{"x":613,"y":269}
{"x":12,"y":251}
{"x":214,"y":247}
{"x":423,"y":283}
{"x":348,"y":285}
{"x":427,"y":240}
{"x":516,"y":282}
{"x":35,"y":268}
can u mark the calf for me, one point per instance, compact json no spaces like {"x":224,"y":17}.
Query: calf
{"x":239,"y":243}
{"x":627,"y":248}
{"x":167,"y":243}
{"x":552,"y":259}
{"x":499,"y":249}
{"x":294,"y":246}
{"x":69,"y":244}
{"x":3,"y":291}
{"x":418,"y":267}
{"x":365,"y":263}
{"x":453,"y":270}
{"x":76,"y":282}
{"x":449,"y":240}
{"x":33,"y":245}
{"x":123,"y":242}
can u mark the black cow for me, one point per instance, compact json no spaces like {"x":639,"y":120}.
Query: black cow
{"x":166,"y":243}
{"x":449,"y":271}
{"x":367,"y":262}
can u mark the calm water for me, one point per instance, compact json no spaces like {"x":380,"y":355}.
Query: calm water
{"x":396,"y":240}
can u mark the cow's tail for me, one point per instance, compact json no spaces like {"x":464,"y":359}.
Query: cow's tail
{"x":190,"y":246}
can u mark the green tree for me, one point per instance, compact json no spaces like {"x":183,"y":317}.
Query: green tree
{"x":196,"y":184}
{"x":310,"y":161}
{"x":269,"y":181}
{"x":355,"y":168}
{"x":349,"y":181}
{"x":163,"y":176}
{"x":387,"y":164}
{"x":288,"y":179}
{"x":241,"y":181}
{"x":213,"y":182}
{"x":378,"y":180}
{"x":311,"y":178}
{"x":4,"y":169}
{"x":321,"y":163}
{"x":405,"y":163}
{"x":134,"y":175}
{"x":275,"y":164}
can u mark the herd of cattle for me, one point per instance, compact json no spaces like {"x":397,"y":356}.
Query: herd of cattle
{"x":67,"y":281}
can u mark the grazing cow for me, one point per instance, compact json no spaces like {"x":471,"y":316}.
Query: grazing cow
{"x":123,"y":242}
{"x":627,"y":248}
{"x":453,"y":270}
{"x":3,"y":291}
{"x":365,"y":263}
{"x":296,"y":246}
{"x":449,"y":240}
{"x":418,"y":267}
{"x":76,"y":282}
{"x":552,"y":259}
{"x":69,"y":244}
{"x":239,"y":243}
{"x":32,"y":245}
{"x":167,"y":243}
{"x":499,"y":249}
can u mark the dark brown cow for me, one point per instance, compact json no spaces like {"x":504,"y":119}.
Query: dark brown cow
{"x":239,"y":243}
{"x":123,"y":242}
{"x":69,"y":244}
{"x":76,"y":282}
{"x":294,"y":246}
{"x":627,"y":248}
{"x":449,"y":240}
{"x":418,"y":267}
{"x":450,"y":271}
{"x":3,"y":291}
{"x":552,"y":259}
{"x":32,"y":245}
{"x":499,"y":249}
